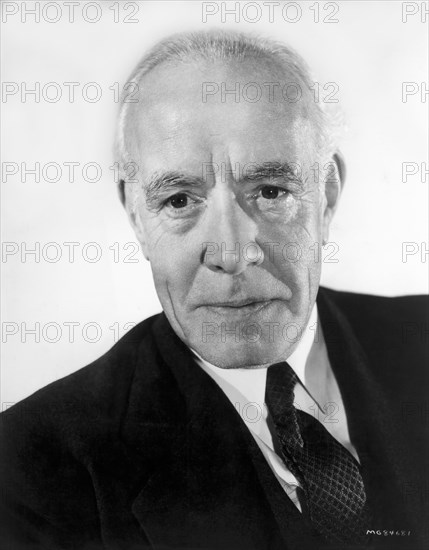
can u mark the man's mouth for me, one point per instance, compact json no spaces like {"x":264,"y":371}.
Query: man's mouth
{"x":252,"y":305}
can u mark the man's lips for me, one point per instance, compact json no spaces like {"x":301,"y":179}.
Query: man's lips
{"x":251,"y":305}
{"x":238,"y":303}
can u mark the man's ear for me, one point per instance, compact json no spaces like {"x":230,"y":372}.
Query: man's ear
{"x":335,"y":179}
{"x":134,"y":218}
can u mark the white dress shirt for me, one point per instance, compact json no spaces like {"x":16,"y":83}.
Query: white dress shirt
{"x":317,"y":394}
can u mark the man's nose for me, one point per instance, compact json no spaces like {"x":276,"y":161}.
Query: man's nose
{"x":230,"y":244}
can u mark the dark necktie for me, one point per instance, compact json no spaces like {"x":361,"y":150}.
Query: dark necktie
{"x":329,"y":475}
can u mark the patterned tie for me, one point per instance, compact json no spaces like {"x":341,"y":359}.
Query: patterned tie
{"x":329,"y":475}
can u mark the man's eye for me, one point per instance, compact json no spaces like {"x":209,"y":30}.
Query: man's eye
{"x":180,"y":200}
{"x":272,"y":192}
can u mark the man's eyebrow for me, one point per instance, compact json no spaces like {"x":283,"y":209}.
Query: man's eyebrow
{"x":273,"y":170}
{"x":159,"y":182}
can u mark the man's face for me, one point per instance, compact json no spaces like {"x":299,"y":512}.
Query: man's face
{"x":229,"y":213}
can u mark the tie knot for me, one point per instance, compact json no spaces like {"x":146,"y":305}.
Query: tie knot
{"x":279,"y":391}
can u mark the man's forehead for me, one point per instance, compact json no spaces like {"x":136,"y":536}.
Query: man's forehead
{"x":170,"y":77}
{"x":251,"y":88}
{"x":202,"y":158}
{"x":176,"y":126}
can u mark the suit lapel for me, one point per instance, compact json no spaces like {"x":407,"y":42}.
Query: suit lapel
{"x":205,"y":491}
{"x":371,"y":418}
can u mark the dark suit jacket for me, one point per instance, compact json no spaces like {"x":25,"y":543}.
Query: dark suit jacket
{"x":141,"y":449}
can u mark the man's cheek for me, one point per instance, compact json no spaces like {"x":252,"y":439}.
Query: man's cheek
{"x":296,"y":244}
{"x":172,"y":268}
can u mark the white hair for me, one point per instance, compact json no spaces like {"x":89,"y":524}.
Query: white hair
{"x":211,"y":46}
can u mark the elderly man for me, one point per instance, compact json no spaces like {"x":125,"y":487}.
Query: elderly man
{"x":247,"y":415}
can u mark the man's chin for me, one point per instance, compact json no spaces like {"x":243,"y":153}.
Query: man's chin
{"x":251,"y":355}
{"x":248,"y":337}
